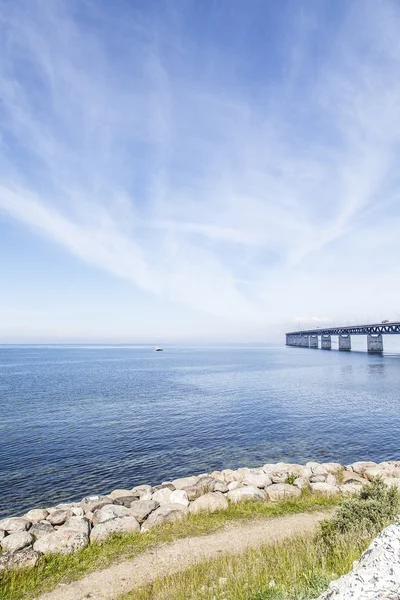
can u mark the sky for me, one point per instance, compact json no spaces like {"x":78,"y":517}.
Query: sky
{"x":181,"y":170}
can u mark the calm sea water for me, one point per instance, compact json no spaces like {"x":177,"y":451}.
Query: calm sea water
{"x":83,"y":420}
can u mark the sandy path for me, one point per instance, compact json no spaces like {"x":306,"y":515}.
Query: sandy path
{"x":170,"y":558}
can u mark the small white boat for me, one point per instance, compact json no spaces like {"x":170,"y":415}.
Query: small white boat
{"x":158,"y":349}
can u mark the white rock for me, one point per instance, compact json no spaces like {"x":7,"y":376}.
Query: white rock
{"x":259,"y":480}
{"x":77,"y":511}
{"x":108,"y":512}
{"x":61,"y":542}
{"x":376,"y":576}
{"x":14,"y":524}
{"x":58,"y":517}
{"x":145,"y":497}
{"x":279,"y":491}
{"x":331,"y":479}
{"x":76,"y":523}
{"x":179,"y":497}
{"x":350,"y":488}
{"x":36,"y":515}
{"x":162,"y":496}
{"x":302,"y":483}
{"x":234,"y":485}
{"x":23,"y":559}
{"x":305,"y":472}
{"x":211,"y":502}
{"x":40,"y":529}
{"x":319,"y":470}
{"x":246,"y":493}
{"x":392,"y":482}
{"x":228,"y":476}
{"x":183,"y":482}
{"x":119,"y":525}
{"x":353,"y":477}
{"x":325,"y":489}
{"x":142,"y":508}
{"x":140,"y":490}
{"x":220,"y":486}
{"x":115,"y":494}
{"x":362,"y":466}
{"x":377,"y":471}
{"x":165,"y":514}
{"x":17,"y":541}
{"x":332,"y":467}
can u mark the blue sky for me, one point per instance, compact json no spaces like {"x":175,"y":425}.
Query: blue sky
{"x":218,"y":170}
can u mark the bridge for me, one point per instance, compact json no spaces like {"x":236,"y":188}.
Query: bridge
{"x":309,"y":338}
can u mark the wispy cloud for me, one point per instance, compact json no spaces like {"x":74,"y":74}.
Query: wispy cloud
{"x":120,"y":144}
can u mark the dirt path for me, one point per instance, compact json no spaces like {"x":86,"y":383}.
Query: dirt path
{"x":170,"y":558}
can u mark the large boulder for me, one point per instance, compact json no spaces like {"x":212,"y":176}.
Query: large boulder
{"x":93,"y":503}
{"x":184,"y":482}
{"x":301,"y":482}
{"x":179,"y":497}
{"x":36,"y":515}
{"x":58,"y":517}
{"x":246,"y":493}
{"x":23,"y":559}
{"x":118,"y":525}
{"x":324,"y":489}
{"x":15,"y":524}
{"x":125,"y":500}
{"x":332,"y":468}
{"x":17,"y":541}
{"x":392,"y":482}
{"x":139,"y":490}
{"x":115,"y":494}
{"x":142,"y":508}
{"x":40,"y":529}
{"x":61,"y":542}
{"x":108,"y":512}
{"x":165,"y":514}
{"x":219,"y":486}
{"x":378,"y":471}
{"x":162,"y":496}
{"x":350,"y":488}
{"x":77,"y":524}
{"x":211,"y":502}
{"x":279,"y":491}
{"x":352,"y":477}
{"x":361,"y":466}
{"x":257,"y":479}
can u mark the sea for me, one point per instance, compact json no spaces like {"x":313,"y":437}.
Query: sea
{"x":86,"y":419}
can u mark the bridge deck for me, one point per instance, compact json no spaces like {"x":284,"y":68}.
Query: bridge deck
{"x":374,"y":329}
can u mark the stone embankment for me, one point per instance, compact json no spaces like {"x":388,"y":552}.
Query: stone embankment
{"x":65,"y":528}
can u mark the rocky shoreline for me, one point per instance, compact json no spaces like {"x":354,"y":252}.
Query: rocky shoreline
{"x":65,"y":528}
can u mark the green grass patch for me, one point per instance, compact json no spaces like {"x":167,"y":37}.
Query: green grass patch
{"x":52,"y":570}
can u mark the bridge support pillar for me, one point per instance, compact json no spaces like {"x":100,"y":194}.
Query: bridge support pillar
{"x":313,"y":341}
{"x":326,"y":342}
{"x":344,"y":342}
{"x":375,"y":344}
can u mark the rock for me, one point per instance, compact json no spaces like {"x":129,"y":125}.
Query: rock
{"x":217,"y":475}
{"x":377,"y":471}
{"x":17,"y":541}
{"x":142,"y":508}
{"x":40,"y":529}
{"x":332,"y":468}
{"x":325,"y":489}
{"x":318,"y":478}
{"x":77,"y":524}
{"x":246,"y":493}
{"x":278,"y":491}
{"x":376,"y":576}
{"x":139,"y":490}
{"x":15,"y":524}
{"x":93,"y":503}
{"x":193,"y":492}
{"x":352,"y":477}
{"x":58,"y":517}
{"x":118,"y":525}
{"x":228,"y":476}
{"x":389,"y":481}
{"x":145,"y":497}
{"x":259,"y":480}
{"x":319,"y":469}
{"x":220,"y":486}
{"x":108,"y":512}
{"x":179,"y":497}
{"x":36,"y":515}
{"x":162,"y":496}
{"x":119,"y":494}
{"x":169,"y":486}
{"x":301,"y":482}
{"x":350,"y":488}
{"x":305,"y":472}
{"x":361,"y":467}
{"x":331,"y":479}
{"x":2,"y":534}
{"x":61,"y":542}
{"x":24,"y":559}
{"x":396,"y":472}
{"x":77,"y":511}
{"x":234,"y":485}
{"x":212,"y":501}
{"x":125,"y":500}
{"x":165,"y":514}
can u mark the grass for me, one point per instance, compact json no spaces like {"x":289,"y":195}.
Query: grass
{"x":52,"y":570}
{"x":297,"y":569}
